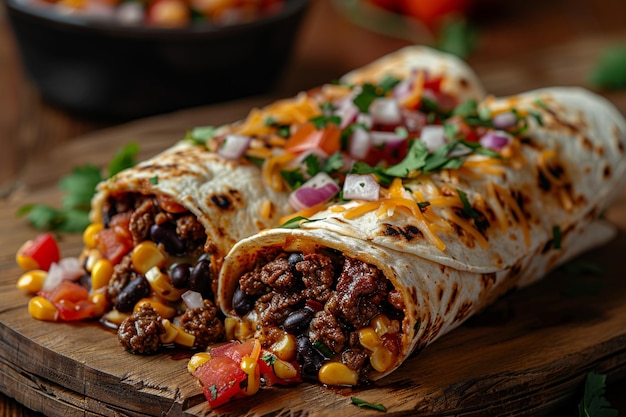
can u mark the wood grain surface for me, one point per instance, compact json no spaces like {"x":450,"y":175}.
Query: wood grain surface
{"x":526,"y":355}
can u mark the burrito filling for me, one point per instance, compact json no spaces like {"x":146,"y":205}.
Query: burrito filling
{"x":150,"y":250}
{"x":321,"y":308}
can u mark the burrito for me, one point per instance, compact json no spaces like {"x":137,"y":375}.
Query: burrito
{"x":485,"y":201}
{"x":160,"y":230}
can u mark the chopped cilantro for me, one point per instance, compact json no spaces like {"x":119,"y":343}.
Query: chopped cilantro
{"x":414,"y":160}
{"x":360,"y":403}
{"x":294,"y":222}
{"x":323,"y":349}
{"x":124,"y":158}
{"x":322,"y":121}
{"x":388,"y":83}
{"x":201,"y":135}
{"x":313,"y":164}
{"x":363,"y":100}
{"x":270,"y":121}
{"x":154,"y":180}
{"x":268,"y":358}
{"x":294,"y":178}
{"x":468,"y":210}
{"x":593,"y":403}
{"x":333,"y":163}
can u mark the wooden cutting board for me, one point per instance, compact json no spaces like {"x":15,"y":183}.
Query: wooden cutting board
{"x":526,"y":355}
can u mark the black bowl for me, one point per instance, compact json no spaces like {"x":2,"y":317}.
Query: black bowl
{"x":108,"y":70}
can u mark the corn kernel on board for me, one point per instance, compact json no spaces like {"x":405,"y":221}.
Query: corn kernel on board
{"x":527,"y":354}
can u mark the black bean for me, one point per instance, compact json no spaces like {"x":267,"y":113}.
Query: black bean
{"x":179,"y":275}
{"x":309,"y":357}
{"x":242,"y":303}
{"x":294,"y":258}
{"x":165,"y":234}
{"x":298,"y":320}
{"x":200,"y":278}
{"x":136,"y":289}
{"x":85,"y":281}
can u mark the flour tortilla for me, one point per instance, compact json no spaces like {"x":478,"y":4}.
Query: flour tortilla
{"x":443,"y":288}
{"x":230,"y":198}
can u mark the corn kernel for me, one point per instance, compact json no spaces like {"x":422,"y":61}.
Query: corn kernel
{"x":162,"y":286}
{"x":183,"y":338}
{"x":170,"y":332}
{"x":164,"y":310}
{"x":249,"y":366}
{"x":114,"y":317}
{"x":32,"y":281}
{"x":101,"y":302}
{"x":336,"y":373}
{"x":380,"y":323}
{"x":42,"y":309}
{"x":230,"y":325}
{"x":101,"y":273}
{"x":382,"y":359}
{"x":285,"y":348}
{"x":90,"y":233}
{"x":147,"y":255}
{"x":91,"y":257}
{"x":244,"y":330}
{"x":284,"y":370}
{"x":27,"y":263}
{"x":197,"y":360}
{"x":368,"y":338}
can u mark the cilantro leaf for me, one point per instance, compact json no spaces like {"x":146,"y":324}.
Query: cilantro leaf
{"x":468,"y":210}
{"x":322,"y":121}
{"x":593,"y":403}
{"x":294,"y":222}
{"x":124,"y":158}
{"x":414,"y":160}
{"x":361,"y":403}
{"x":333,"y":163}
{"x":369,"y":92}
{"x":295,"y":178}
{"x":200,"y":135}
{"x":79,"y":187}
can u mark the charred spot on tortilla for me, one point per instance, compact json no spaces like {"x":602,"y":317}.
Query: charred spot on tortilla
{"x":408,"y":232}
{"x":222,"y":201}
{"x":465,"y":309}
{"x":617,"y":136}
{"x":453,"y":298}
{"x":606,"y":172}
{"x":487,"y":280}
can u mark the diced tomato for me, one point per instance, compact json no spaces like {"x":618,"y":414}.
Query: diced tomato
{"x":66,"y":290}
{"x":116,"y":241}
{"x":221,"y":379}
{"x":234,"y":350}
{"x":309,"y":138}
{"x":465,"y":131}
{"x":80,"y":310}
{"x":72,"y":301}
{"x":391,"y":155}
{"x":39,"y":253}
{"x":168,"y":204}
{"x":431,"y":12}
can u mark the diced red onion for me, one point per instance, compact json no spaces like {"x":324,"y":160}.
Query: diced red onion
{"x":365,"y":120}
{"x":495,"y":140}
{"x":360,"y":143}
{"x":403,"y":88}
{"x":504,"y":120}
{"x":414,"y":120}
{"x":361,"y":187}
{"x":433,"y":136}
{"x":234,"y":146}
{"x":348,"y":111}
{"x":317,"y":190}
{"x":386,"y":111}
{"x":67,"y":269}
{"x":389,"y":140}
{"x":192,"y":299}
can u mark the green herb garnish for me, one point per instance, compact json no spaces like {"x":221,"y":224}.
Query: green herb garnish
{"x":201,"y":135}
{"x":609,"y":71}
{"x":323,"y":349}
{"x":593,"y":403}
{"x":80,"y":187}
{"x":556,"y":237}
{"x":468,"y":210}
{"x":361,"y":403}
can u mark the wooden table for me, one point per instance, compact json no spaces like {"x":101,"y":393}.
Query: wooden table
{"x":522,"y":45}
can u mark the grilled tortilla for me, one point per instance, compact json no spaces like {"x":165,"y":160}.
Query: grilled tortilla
{"x":378,"y":280}
{"x":195,"y":203}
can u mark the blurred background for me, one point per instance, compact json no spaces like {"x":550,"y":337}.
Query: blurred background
{"x":290,"y":46}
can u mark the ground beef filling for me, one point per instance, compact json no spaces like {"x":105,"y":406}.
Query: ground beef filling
{"x":322,"y":298}
{"x":182,"y":238}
